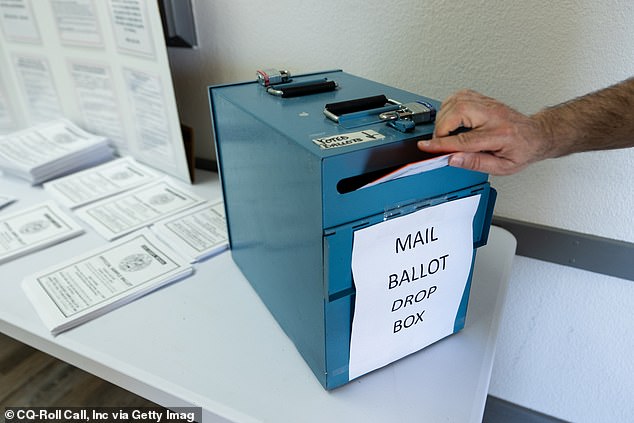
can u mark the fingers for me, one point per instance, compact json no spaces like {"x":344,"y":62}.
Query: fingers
{"x":484,"y":162}
{"x":471,"y":141}
{"x":475,"y":151}
{"x":500,"y":140}
{"x":465,"y":108}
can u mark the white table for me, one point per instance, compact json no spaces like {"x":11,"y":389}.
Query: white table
{"x":208,"y":341}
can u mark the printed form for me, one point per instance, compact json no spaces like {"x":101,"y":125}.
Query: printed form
{"x":80,"y":289}
{"x":197,"y":233}
{"x":119,"y":215}
{"x":33,"y":229}
{"x":99,"y":182}
{"x":51,"y":149}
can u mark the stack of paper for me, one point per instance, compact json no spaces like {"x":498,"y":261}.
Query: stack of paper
{"x":100,"y":182}
{"x":33,"y":229}
{"x":197,"y":233}
{"x":123,"y":213}
{"x":51,"y":149}
{"x":78,"y":290}
{"x":5,"y":200}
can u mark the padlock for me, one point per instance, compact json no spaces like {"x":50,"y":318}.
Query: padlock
{"x":417,"y":112}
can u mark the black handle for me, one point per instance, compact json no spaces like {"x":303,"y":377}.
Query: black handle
{"x":357,"y":105}
{"x":314,"y":88}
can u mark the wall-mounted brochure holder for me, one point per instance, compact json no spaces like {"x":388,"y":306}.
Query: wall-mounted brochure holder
{"x":319,"y":214}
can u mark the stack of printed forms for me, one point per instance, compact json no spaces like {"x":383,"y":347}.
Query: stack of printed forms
{"x":51,"y":149}
{"x":75,"y":291}
{"x":197,"y":233}
{"x":34,"y":228}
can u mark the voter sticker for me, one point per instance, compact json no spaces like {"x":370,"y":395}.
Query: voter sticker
{"x":344,"y":140}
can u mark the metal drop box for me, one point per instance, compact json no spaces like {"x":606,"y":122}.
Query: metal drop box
{"x":292,"y":206}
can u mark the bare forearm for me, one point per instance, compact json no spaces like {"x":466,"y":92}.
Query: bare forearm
{"x":502,"y":141}
{"x":600,"y":120}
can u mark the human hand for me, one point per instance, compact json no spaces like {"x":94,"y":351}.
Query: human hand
{"x":501,"y":141}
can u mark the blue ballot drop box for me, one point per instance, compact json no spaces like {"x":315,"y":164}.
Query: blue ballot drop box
{"x":293,"y":183}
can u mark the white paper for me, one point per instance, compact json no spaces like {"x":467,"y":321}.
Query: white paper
{"x":413,"y":169}
{"x":77,"y":22}
{"x":148,"y":101}
{"x":18,"y":23}
{"x":409,"y":273}
{"x":7,"y":120}
{"x":92,"y":284}
{"x":131,"y":29}
{"x":5,"y":200}
{"x":78,"y":59}
{"x":33,"y":229}
{"x":51,"y":149}
{"x":196,"y":233}
{"x":38,"y":88}
{"x":126,"y":212}
{"x":100,"y":108}
{"x":43,"y":143}
{"x":100,"y":182}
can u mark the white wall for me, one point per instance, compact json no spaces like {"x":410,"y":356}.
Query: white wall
{"x":567,"y":337}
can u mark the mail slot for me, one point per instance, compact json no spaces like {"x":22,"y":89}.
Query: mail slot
{"x":298,"y":194}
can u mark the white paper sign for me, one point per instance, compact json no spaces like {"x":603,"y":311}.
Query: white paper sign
{"x":98,"y":102}
{"x":38,"y":88}
{"x":147,"y":97}
{"x":131,"y":26}
{"x":410,"y":274}
{"x":17,"y":21}
{"x":77,"y":22}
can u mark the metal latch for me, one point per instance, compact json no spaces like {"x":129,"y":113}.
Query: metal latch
{"x":408,"y":115}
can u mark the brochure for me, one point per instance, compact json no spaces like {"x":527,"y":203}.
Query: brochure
{"x":197,"y":233}
{"x":100,"y":182}
{"x":90,"y":285}
{"x":123,"y":213}
{"x":50,"y":150}
{"x":34,"y":228}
